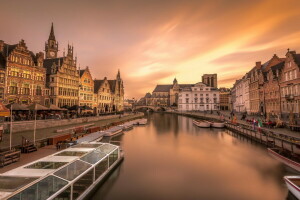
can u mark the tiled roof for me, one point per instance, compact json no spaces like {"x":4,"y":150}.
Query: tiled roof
{"x":97,"y":84}
{"x":297,"y":59}
{"x":162,"y":88}
{"x":112,"y":85}
{"x":81,"y":72}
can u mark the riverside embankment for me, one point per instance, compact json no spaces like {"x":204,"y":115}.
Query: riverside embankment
{"x":281,"y":138}
{"x":50,"y":127}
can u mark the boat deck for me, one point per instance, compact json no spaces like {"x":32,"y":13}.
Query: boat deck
{"x":296,"y":181}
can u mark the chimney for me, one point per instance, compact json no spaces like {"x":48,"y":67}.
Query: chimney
{"x":258,"y":65}
{"x":1,"y":45}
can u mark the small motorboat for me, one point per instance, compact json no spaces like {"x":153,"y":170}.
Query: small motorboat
{"x":293,"y":184}
{"x":282,"y":156}
{"x":216,"y":124}
{"x":201,"y":124}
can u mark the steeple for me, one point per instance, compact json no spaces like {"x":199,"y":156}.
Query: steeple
{"x":175,"y":81}
{"x":52,"y":36}
{"x":51,"y":46}
{"x":118,"y":75}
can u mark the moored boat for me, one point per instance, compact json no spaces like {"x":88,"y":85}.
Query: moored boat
{"x":293,"y":184}
{"x":217,"y":124}
{"x":282,"y":156}
{"x":201,"y":124}
{"x":113,"y":132}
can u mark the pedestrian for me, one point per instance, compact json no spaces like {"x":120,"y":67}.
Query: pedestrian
{"x":254,"y":124}
{"x":259,"y":123}
{"x":234,"y":119}
{"x":57,"y":145}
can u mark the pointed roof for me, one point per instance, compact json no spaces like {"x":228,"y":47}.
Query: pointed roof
{"x":118,"y":75}
{"x":52,"y":36}
{"x":97,"y":84}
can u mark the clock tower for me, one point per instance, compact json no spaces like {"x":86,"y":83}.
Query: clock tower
{"x":51,"y":46}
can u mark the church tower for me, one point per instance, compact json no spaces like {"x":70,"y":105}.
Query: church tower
{"x":51,"y":46}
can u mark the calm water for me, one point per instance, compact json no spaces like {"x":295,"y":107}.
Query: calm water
{"x":171,"y":159}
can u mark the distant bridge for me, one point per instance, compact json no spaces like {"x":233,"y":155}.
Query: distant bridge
{"x":154,"y":108}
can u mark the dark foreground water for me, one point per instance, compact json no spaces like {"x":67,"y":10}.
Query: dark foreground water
{"x":171,"y":159}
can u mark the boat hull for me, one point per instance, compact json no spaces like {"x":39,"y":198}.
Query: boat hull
{"x":293,"y":188}
{"x":112,"y":134}
{"x":218,"y":125}
{"x":202,"y":124}
{"x":288,"y":162}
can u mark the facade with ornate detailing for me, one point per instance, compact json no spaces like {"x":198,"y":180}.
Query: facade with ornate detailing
{"x":271,"y":88}
{"x":199,"y":97}
{"x":109,"y":95}
{"x":62,"y":75}
{"x":86,"y":88}
{"x":290,"y":84}
{"x":22,"y":74}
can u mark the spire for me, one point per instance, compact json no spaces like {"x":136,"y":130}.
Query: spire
{"x":52,"y":36}
{"x":119,"y":75}
{"x":175,"y":81}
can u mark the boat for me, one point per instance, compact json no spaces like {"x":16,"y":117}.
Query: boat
{"x":293,"y":184}
{"x":114,"y":131}
{"x":143,"y":121}
{"x":217,"y":124}
{"x":126,"y":126}
{"x":73,"y":173}
{"x":202,"y":124}
{"x":140,"y":121}
{"x":282,"y":156}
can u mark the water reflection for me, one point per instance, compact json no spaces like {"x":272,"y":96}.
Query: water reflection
{"x":172,"y":159}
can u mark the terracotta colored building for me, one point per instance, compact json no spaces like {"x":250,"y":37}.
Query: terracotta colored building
{"x":290,"y":84}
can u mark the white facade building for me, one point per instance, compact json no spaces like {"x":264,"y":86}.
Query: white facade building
{"x":242,"y":102}
{"x":198,"y":97}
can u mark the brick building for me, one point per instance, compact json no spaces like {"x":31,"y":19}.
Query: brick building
{"x":22,"y":74}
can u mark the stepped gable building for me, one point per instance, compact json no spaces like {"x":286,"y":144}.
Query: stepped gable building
{"x":109,"y":95}
{"x":22,"y":76}
{"x":62,"y":75}
{"x":290,"y":84}
{"x":86,"y":88}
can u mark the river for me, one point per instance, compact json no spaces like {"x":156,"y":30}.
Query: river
{"x":170,"y":159}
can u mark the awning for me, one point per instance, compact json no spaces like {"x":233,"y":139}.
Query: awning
{"x":4,"y":112}
{"x":15,"y":106}
{"x":36,"y":106}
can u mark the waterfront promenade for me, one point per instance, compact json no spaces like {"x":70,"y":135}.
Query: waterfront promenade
{"x":52,"y":131}
{"x":214,"y":116}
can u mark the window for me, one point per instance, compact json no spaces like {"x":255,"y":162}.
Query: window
{"x":26,"y":89}
{"x":2,"y":78}
{"x":38,"y":90}
{"x":1,"y":93}
{"x":13,"y":89}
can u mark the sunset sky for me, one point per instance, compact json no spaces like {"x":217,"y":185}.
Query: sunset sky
{"x":153,"y":41}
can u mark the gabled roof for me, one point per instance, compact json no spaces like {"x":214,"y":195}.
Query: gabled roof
{"x":112,"y":85}
{"x":49,"y":62}
{"x":97,"y":84}
{"x":162,"y":88}
{"x":81,"y":71}
{"x":297,"y":59}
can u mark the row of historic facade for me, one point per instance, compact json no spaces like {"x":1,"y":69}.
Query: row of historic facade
{"x":272,"y":87}
{"x":47,"y":79}
{"x":201,"y":96}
